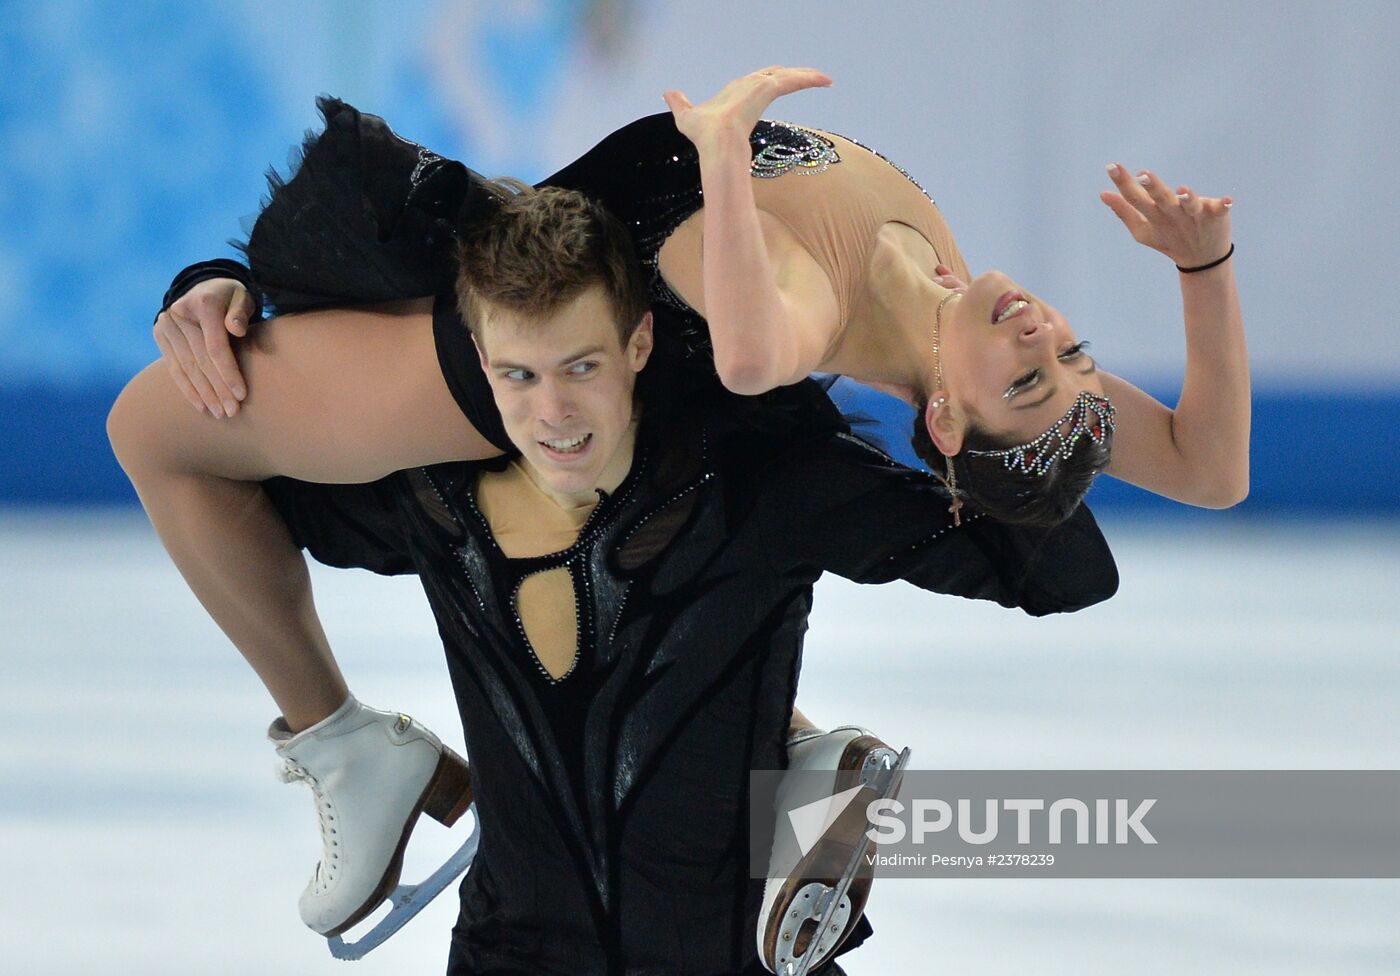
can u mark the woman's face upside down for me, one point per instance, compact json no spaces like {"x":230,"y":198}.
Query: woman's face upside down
{"x":1011,"y":363}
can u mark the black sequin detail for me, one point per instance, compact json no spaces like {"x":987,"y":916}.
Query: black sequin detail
{"x":787,"y":148}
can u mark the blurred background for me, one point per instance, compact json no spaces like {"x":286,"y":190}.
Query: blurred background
{"x":140,"y":826}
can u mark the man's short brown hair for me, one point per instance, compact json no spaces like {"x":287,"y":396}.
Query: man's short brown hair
{"x":542,"y":248}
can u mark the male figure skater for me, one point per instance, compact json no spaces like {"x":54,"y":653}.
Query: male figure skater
{"x":622,"y":605}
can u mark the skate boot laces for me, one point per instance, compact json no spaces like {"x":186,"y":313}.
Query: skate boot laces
{"x":291,"y":772}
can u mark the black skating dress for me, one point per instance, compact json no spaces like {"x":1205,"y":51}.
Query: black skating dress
{"x":369,"y":216}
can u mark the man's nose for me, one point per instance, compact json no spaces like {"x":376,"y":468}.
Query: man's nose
{"x":555,"y":405}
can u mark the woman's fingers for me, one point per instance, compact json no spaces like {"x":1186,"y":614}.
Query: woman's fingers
{"x":740,"y":104}
{"x":1178,"y":223}
{"x":754,"y":92}
{"x":1162,"y":198}
{"x":1190,"y":203}
{"x":1129,"y":189}
{"x":1219,"y":206}
{"x":1131,"y":216}
{"x":796,"y":79}
{"x":676,"y":101}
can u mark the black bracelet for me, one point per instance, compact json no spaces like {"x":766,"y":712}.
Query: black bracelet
{"x":1207,"y":267}
{"x":205,"y":270}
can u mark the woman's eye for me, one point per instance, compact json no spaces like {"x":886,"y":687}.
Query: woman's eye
{"x":1021,"y":384}
{"x":1075,"y":350}
{"x":578,"y":369}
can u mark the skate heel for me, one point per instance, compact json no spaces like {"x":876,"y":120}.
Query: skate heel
{"x":449,"y":792}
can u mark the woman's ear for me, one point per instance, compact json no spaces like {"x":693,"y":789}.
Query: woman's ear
{"x":943,"y":424}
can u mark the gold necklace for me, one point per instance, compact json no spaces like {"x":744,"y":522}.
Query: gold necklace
{"x":950,"y":479}
{"x":937,"y":327}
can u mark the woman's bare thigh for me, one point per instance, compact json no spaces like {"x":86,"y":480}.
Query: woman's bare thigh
{"x":333,"y":396}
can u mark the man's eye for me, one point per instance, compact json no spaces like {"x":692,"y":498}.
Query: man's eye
{"x":578,"y":369}
{"x":518,"y":375}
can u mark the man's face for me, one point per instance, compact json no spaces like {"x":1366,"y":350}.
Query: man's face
{"x":564,"y":385}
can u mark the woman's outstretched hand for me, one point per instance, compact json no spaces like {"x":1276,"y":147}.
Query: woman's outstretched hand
{"x":739,"y":104}
{"x":1190,"y":229}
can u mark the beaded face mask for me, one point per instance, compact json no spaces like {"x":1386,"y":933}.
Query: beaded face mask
{"x":1090,"y":416}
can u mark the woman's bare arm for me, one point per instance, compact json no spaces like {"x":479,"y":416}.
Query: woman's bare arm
{"x":771,"y":313}
{"x":1197,"y":453}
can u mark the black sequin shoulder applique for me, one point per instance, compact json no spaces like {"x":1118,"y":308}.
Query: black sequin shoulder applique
{"x":781,"y":147}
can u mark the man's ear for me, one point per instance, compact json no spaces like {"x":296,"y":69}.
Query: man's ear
{"x":640,"y":345}
{"x":943,"y":425}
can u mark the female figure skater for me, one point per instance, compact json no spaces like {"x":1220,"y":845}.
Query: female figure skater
{"x":846,"y":272}
{"x":821,"y":256}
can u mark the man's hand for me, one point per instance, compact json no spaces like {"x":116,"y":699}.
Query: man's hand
{"x":193,"y":336}
{"x":1189,"y":229}
{"x":732,"y":114}
{"x":944,"y":276}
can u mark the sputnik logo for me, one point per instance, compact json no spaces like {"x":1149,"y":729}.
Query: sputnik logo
{"x":811,"y":820}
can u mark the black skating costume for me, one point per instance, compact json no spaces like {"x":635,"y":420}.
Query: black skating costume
{"x":612,"y":801}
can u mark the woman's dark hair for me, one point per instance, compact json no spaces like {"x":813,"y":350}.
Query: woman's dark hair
{"x":1015,"y":496}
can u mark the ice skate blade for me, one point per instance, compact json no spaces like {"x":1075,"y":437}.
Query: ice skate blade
{"x":408,"y":901}
{"x":830,"y":902}
{"x":788,"y":918}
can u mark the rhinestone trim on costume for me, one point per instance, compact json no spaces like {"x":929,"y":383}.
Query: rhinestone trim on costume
{"x":800,"y":149}
{"x":576,"y":554}
{"x":426,"y":157}
{"x":898,"y":168}
{"x":579,"y":641}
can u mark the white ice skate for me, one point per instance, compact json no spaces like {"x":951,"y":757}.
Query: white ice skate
{"x":809,"y":913}
{"x":372,"y":774}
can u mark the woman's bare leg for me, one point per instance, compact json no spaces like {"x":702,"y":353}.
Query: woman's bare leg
{"x":798,"y":722}
{"x":337,"y":397}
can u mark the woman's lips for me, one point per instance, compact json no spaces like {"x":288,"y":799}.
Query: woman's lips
{"x":1004,"y":302}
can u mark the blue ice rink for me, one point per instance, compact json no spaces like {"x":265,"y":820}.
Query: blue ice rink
{"x":142,"y":829}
